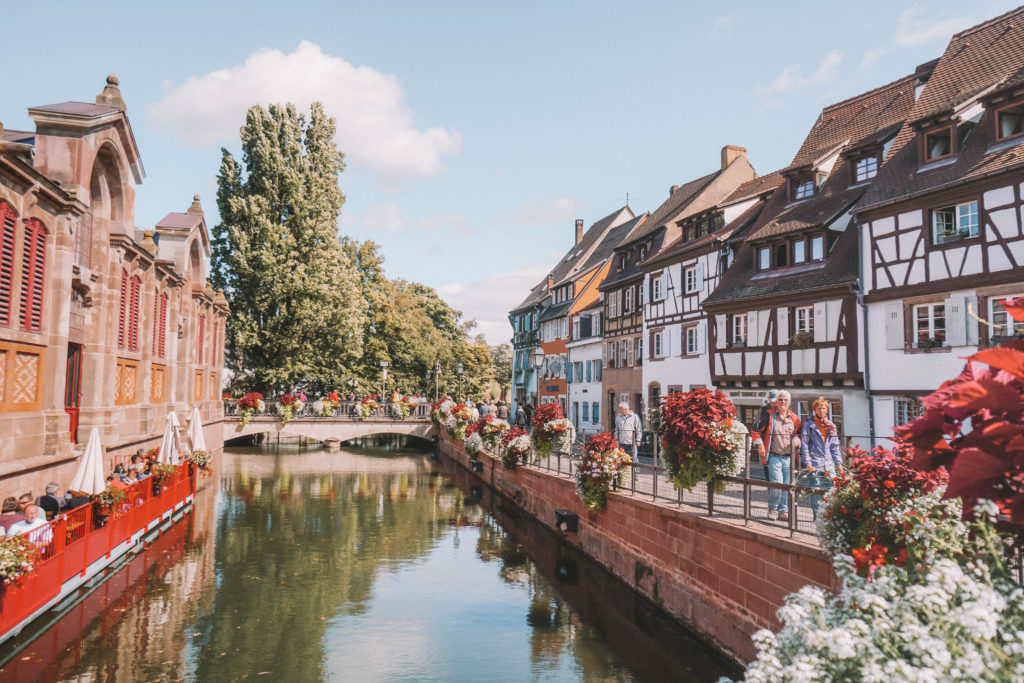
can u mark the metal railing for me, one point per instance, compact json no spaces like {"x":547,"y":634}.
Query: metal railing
{"x":346,"y":410}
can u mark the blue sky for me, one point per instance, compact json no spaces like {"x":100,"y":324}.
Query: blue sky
{"x":475,"y":133}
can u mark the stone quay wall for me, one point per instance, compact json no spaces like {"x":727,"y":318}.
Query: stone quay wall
{"x":723,"y":580}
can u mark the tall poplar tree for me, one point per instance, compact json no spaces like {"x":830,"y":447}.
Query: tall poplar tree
{"x":296,"y":304}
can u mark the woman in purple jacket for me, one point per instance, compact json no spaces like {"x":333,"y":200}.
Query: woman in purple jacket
{"x":820,"y":456}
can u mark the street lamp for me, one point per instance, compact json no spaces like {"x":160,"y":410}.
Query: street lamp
{"x":383,"y":378}
{"x":437,"y":378}
{"x":538,"y":363}
{"x":458,"y":371}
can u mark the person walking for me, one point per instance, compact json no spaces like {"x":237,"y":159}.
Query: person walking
{"x":628,"y":430}
{"x":521,"y":419}
{"x":820,"y":456}
{"x":529,"y":415}
{"x":502,"y":411}
{"x":775,"y":443}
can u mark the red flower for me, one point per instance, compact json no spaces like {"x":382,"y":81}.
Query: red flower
{"x":546,"y":412}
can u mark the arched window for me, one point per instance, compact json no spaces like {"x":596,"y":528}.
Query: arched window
{"x":133,"y":314}
{"x":33,"y":269}
{"x":123,"y":309}
{"x":8,"y":223}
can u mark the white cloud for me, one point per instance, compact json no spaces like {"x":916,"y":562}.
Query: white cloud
{"x":555,"y":210}
{"x":489,"y":300}
{"x":376,"y":127}
{"x":918,"y":25}
{"x":722,"y":26}
{"x":793,"y":77}
{"x":871,"y":57}
{"x":386,"y":217}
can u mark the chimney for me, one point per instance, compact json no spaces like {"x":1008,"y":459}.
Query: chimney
{"x":579,"y":230}
{"x":551,"y":281}
{"x":672,"y":190}
{"x":730,"y":153}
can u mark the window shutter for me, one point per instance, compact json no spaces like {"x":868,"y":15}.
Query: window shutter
{"x":721,"y":332}
{"x":214,"y":348}
{"x":700,"y":276}
{"x":156,"y":324}
{"x":702,"y":336}
{"x":597,"y":371}
{"x":133,"y":317}
{"x":589,"y":365}
{"x":956,"y":321}
{"x":8,"y":224}
{"x":568,"y":373}
{"x":122,"y":309}
{"x":201,"y":337}
{"x":821,"y":322}
{"x":595,"y":413}
{"x":752,"y":331}
{"x":783,"y":333}
{"x":894,"y":325}
{"x":163,"y":325}
{"x":33,"y":270}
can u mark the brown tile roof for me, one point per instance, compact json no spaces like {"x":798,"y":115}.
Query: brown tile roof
{"x":857,"y":119}
{"x":78,"y":109}
{"x":735,"y":226}
{"x":179,"y":221}
{"x":988,"y":57}
{"x":755,"y":187}
{"x":675,"y":203}
{"x":819,"y":210}
{"x":21,"y":137}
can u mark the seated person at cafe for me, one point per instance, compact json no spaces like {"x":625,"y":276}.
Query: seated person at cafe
{"x":114,"y":481}
{"x":76,"y":499}
{"x":9,"y":513}
{"x":24,"y":500}
{"x":34,"y":519}
{"x":50,"y":502}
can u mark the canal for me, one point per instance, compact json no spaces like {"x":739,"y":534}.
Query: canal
{"x":365,"y":564}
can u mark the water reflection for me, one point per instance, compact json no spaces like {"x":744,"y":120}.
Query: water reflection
{"x":328,"y":565}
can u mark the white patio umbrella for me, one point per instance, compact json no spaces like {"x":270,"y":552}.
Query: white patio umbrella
{"x":196,"y":440}
{"x":89,"y":475}
{"x":169,"y":444}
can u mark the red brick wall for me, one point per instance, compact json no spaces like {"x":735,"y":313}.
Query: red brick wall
{"x":724,"y":580}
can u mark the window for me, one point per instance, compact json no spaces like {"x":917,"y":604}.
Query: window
{"x":764,"y":258}
{"x":201,"y":337}
{"x":33,"y":269}
{"x":817,"y":248}
{"x":929,"y":325}
{"x":1010,"y":121}
{"x":955,"y":223}
{"x":1002,"y":324}
{"x":691,"y":341}
{"x":938,"y":144}
{"x":627,"y":301}
{"x":626,"y":353}
{"x":739,"y":330}
{"x":597,"y":370}
{"x":126,"y":382}
{"x":805,"y":319}
{"x":907,"y":409}
{"x":657,"y":287}
{"x":133,"y":314}
{"x":586,"y":412}
{"x":867,"y":168}
{"x":638,"y":349}
{"x":613,"y":304}
{"x":799,"y":251}
{"x":781,"y":255}
{"x":613,"y":354}
{"x":690,"y":279}
{"x":595,"y":412}
{"x":802,"y":189}
{"x":122,"y":309}
{"x":8,"y":223}
{"x":658,"y":344}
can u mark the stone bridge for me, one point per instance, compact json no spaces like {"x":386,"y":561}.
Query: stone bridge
{"x":328,"y":429}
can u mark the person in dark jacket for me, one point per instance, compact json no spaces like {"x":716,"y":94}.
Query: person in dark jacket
{"x":50,"y":502}
{"x":820,"y":456}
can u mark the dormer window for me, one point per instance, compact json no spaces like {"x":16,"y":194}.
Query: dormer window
{"x":866,"y":168}
{"x":938,"y":144}
{"x":764,"y":258}
{"x":643,"y":253}
{"x":795,"y":251}
{"x":803,"y":188}
{"x":1010,"y":121}
{"x":799,"y":252}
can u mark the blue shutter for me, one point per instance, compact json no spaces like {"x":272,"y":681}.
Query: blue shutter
{"x":589,"y":363}
{"x":595,"y":413}
{"x":598,"y":377}
{"x":586,"y":412}
{"x":568,"y":373}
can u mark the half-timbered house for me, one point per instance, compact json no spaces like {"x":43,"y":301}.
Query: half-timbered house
{"x":624,"y":290}
{"x":690,"y":269}
{"x":785,"y":313}
{"x":941,"y":228}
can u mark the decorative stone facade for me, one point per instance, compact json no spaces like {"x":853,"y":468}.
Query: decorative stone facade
{"x":101,"y":324}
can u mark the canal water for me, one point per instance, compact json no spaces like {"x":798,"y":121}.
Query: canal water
{"x":368,"y":564}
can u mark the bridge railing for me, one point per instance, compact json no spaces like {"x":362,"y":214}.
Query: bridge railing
{"x":346,"y":410}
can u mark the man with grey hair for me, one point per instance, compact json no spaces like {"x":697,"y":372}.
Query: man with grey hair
{"x":775,"y":442}
{"x":51,"y":503}
{"x":628,"y":430}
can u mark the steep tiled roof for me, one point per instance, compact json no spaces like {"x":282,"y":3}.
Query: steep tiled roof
{"x":734,"y":227}
{"x":741,"y":284}
{"x":572,"y":257}
{"x":675,"y":203}
{"x":985,"y":59}
{"x":857,"y":119}
{"x":752,"y":188}
{"x":607,"y":245}
{"x":820,"y":210}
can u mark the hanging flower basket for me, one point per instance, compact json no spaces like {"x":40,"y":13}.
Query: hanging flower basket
{"x":493,"y":431}
{"x":249,"y":405}
{"x":516,"y":448}
{"x":367,"y":407}
{"x":701,"y":438}
{"x":600,"y":463}
{"x":201,"y":461}
{"x":544,"y":436}
{"x":291,"y":405}
{"x":18,"y":558}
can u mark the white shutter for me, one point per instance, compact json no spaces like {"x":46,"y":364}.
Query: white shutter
{"x":700,"y":276}
{"x":885,"y":415}
{"x":821,"y":322}
{"x":752,"y":338}
{"x":722,"y":333}
{"x":782,"y":316}
{"x":702,"y":336}
{"x":894,"y":325}
{"x":956,"y":321}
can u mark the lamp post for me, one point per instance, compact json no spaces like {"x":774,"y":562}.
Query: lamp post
{"x":538,"y":363}
{"x":383,"y":378}
{"x":437,"y":378}
{"x":458,"y":371}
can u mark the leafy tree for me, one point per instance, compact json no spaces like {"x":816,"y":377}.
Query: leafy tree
{"x":295,"y":295}
{"x":501,"y":366}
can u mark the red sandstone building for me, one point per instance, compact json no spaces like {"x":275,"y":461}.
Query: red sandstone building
{"x":101,"y":324}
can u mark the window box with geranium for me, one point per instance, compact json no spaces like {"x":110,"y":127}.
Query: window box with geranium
{"x":250,"y":404}
{"x":162,"y":474}
{"x":701,"y":438}
{"x":108,"y":499}
{"x":600,"y":463}
{"x":18,"y":557}
{"x":291,"y":405}
{"x":516,"y":448}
